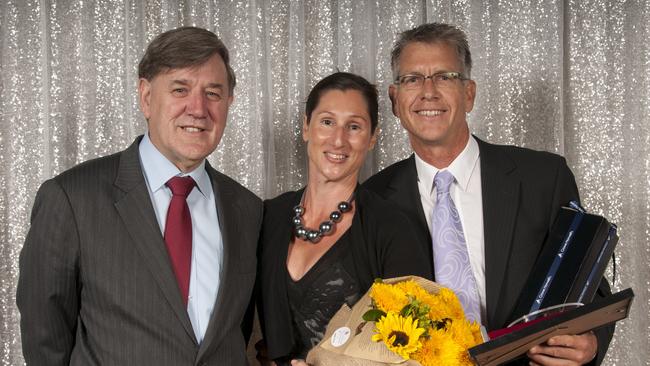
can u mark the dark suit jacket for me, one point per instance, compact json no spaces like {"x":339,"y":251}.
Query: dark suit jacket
{"x":96,"y":285}
{"x":522,"y":192}
{"x":383,"y":246}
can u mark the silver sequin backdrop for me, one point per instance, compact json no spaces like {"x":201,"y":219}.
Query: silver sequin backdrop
{"x":571,"y":77}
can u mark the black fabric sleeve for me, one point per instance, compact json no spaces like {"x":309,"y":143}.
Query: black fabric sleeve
{"x":392,"y":235}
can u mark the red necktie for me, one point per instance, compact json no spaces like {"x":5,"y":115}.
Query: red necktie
{"x":178,"y":232}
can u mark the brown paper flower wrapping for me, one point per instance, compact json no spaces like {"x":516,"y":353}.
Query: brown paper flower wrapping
{"x":347,"y":340}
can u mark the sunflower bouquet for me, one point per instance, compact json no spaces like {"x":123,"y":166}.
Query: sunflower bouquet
{"x":429,"y":327}
{"x":406,"y":321}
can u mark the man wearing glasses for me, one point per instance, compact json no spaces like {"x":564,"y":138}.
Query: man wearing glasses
{"x":483,"y":211}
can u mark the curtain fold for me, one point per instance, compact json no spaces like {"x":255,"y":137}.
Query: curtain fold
{"x":567,"y":76}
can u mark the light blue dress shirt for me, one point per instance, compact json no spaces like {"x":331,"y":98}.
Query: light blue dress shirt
{"x":207,"y":243}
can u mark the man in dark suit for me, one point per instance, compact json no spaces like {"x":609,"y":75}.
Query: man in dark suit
{"x":505,"y":198}
{"x":147,"y":256}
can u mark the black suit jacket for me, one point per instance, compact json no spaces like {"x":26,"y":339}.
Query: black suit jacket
{"x":522,"y":192}
{"x":96,"y":284}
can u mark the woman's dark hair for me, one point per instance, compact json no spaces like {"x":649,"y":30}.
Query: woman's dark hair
{"x":344,"y":81}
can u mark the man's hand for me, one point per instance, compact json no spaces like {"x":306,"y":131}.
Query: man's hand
{"x":566,"y":350}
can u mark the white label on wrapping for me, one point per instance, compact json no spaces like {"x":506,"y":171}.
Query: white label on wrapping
{"x":340,"y":336}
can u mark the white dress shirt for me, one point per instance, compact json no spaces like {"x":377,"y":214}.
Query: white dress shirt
{"x":466,"y":194}
{"x":207,"y":243}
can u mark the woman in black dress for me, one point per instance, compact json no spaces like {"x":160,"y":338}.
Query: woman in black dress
{"x":324,"y":245}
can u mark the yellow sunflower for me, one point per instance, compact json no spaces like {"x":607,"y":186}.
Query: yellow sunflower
{"x":400,"y":334}
{"x":444,"y":304}
{"x":465,"y":333}
{"x":410,"y":287}
{"x":388,"y":297}
{"x":440,"y":349}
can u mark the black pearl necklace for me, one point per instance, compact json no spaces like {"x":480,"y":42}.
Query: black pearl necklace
{"x":325,"y":228}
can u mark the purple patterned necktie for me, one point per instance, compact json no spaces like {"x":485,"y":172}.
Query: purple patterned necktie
{"x":450,"y":256}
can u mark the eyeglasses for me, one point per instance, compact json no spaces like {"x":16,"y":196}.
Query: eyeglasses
{"x":440,"y":80}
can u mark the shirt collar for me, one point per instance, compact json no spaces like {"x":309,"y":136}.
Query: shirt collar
{"x":158,"y":169}
{"x":461,"y":168}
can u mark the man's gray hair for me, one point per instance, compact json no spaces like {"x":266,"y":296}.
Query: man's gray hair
{"x":434,"y":33}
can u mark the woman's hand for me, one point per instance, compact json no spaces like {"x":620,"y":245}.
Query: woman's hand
{"x":262,"y":355}
{"x":299,"y":363}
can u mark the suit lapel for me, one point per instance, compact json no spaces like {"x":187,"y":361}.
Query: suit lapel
{"x":137,"y":213}
{"x":230,"y":217}
{"x":500,"y":191}
{"x":403,"y":190}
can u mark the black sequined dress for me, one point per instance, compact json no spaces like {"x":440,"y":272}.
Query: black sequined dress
{"x":319,"y":294}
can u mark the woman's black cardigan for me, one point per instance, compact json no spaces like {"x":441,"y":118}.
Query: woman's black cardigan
{"x":383,"y":246}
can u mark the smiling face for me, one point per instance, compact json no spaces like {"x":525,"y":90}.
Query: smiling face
{"x":186,"y":111}
{"x":434,"y":116}
{"x":338,"y":136}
